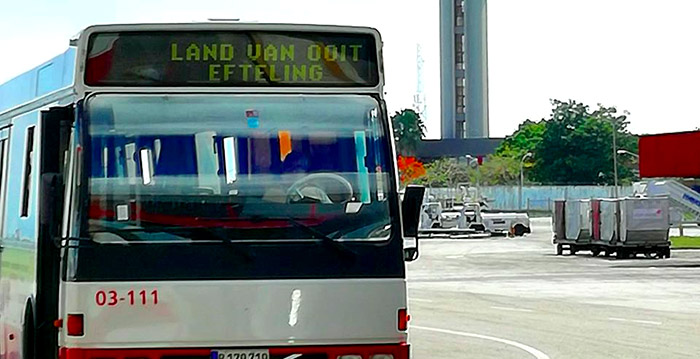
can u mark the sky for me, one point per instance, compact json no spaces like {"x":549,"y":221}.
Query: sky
{"x":638,"y":55}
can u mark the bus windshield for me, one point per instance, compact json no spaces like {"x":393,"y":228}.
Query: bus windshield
{"x":236,"y":168}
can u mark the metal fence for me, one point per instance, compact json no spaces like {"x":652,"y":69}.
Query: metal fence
{"x":539,"y":204}
{"x":534,"y":198}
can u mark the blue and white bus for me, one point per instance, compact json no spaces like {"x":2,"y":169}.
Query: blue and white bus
{"x":214,"y":190}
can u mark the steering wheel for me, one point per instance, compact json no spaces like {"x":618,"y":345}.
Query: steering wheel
{"x":315,"y":187}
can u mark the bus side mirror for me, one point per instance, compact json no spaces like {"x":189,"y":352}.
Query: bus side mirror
{"x":410,"y":214}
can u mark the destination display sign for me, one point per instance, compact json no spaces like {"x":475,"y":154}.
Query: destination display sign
{"x":231,"y":58}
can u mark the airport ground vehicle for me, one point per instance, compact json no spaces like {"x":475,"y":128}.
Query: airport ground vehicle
{"x":203,"y":190}
{"x":517,"y":224}
{"x":492,"y":221}
{"x":431,"y":215}
{"x":624,"y":227}
{"x":571,"y":225}
{"x":466,"y":219}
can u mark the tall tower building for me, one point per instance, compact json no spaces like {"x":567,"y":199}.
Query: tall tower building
{"x":464,"y":69}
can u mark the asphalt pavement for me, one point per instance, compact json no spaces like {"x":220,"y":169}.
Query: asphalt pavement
{"x":514,"y":298}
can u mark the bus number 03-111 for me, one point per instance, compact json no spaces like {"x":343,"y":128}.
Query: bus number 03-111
{"x":112,"y":298}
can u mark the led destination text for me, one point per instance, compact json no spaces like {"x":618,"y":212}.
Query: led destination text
{"x":257,"y":62}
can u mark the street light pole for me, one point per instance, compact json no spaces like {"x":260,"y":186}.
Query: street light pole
{"x":520,"y":189}
{"x":471,"y":160}
{"x":636,"y":156}
{"x":625,"y":152}
{"x":614,"y":134}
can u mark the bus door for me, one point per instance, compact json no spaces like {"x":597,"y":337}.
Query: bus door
{"x":4,"y":146}
{"x":4,"y":289}
{"x":54,"y":140}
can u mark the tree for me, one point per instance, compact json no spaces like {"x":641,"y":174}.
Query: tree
{"x":576,"y":145}
{"x":410,"y":169}
{"x":444,"y":172}
{"x":497,"y":170}
{"x":449,"y":172}
{"x":522,"y":141}
{"x":409,"y":129}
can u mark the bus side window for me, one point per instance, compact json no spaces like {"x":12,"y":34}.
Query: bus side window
{"x":146,"y":159}
{"x":4,"y":146}
{"x":28,"y":167}
{"x":230,"y":160}
{"x":156,"y":147}
{"x":120,"y":161}
{"x":130,"y":153}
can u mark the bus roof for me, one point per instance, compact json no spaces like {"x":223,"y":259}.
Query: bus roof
{"x":229,"y":25}
{"x":44,"y":79}
{"x":59,"y":72}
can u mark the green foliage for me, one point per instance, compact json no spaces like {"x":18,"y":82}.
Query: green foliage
{"x":444,"y":172}
{"x":573,"y":146}
{"x":576,"y":146}
{"x":448,"y":172}
{"x":524,"y":140}
{"x":498,"y":170}
{"x":408,"y":131}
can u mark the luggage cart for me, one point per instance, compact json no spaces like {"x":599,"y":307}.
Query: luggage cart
{"x":642,"y":227}
{"x":572,"y":223}
{"x":604,"y":218}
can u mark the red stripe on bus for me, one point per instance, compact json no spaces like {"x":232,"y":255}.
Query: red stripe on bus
{"x":399,"y":351}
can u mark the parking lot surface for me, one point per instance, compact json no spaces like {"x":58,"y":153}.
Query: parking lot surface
{"x":513,"y":298}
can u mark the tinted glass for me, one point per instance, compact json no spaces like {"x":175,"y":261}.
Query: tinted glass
{"x":246,"y":167}
{"x":242,"y":58}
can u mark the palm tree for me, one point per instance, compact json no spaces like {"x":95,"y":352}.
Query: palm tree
{"x":408,"y":131}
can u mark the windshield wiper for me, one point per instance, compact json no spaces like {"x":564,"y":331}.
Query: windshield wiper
{"x":340,"y":248}
{"x":128,"y":235}
{"x":237,"y":248}
{"x":123,"y":233}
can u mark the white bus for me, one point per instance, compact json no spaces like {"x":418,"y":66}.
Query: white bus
{"x":215,"y":190}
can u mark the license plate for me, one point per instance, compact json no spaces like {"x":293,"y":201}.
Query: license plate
{"x":241,"y":354}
